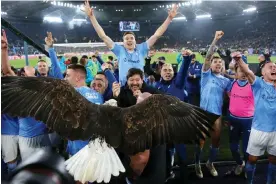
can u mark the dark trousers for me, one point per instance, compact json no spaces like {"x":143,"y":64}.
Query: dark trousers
{"x":194,"y":99}
{"x":239,"y":130}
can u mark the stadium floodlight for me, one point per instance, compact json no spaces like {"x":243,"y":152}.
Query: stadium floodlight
{"x":179,"y":18}
{"x":61,"y":4}
{"x":203,"y":16}
{"x":250,"y":9}
{"x":4,"y":13}
{"x":52,"y":19}
{"x":187,"y":3}
{"x":78,"y":20}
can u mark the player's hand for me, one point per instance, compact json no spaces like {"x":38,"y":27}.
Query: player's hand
{"x":87,"y":9}
{"x":173,"y":12}
{"x":116,"y":88}
{"x":219,"y":34}
{"x":4,"y":40}
{"x":49,"y":39}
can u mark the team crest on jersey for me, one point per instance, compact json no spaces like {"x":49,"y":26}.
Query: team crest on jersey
{"x":90,"y":95}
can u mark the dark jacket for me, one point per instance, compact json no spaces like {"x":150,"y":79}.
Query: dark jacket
{"x":175,"y":87}
{"x":126,"y":98}
{"x":155,"y":171}
{"x":193,"y":84}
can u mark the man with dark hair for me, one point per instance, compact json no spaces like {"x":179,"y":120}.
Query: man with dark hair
{"x":130,"y":55}
{"x":110,"y":58}
{"x":74,"y":60}
{"x":75,"y":74}
{"x":126,"y":96}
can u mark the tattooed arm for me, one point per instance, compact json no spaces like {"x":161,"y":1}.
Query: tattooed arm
{"x":210,"y":53}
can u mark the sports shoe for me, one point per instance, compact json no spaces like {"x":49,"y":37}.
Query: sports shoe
{"x":198,"y":171}
{"x":239,"y":168}
{"x":211,"y":168}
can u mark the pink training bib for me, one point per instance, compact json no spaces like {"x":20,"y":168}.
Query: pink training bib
{"x":241,"y":101}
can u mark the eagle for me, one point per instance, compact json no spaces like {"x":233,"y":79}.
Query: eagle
{"x":157,"y":120}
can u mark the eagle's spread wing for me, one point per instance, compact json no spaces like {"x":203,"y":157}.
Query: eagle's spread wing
{"x":57,"y":104}
{"x":163,"y":119}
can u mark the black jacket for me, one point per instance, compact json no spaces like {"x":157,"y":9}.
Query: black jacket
{"x":155,"y":170}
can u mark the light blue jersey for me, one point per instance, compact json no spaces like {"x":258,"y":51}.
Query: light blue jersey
{"x":74,"y":146}
{"x":265,"y":106}
{"x":127,"y":60}
{"x":29,"y":127}
{"x":212,"y":91}
{"x":9,"y":125}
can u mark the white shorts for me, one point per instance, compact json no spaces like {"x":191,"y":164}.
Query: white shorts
{"x":260,"y":141}
{"x":29,"y":146}
{"x":9,"y":146}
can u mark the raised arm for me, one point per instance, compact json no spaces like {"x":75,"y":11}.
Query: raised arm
{"x":89,"y":12}
{"x":55,"y":68}
{"x":5,"y":56}
{"x":161,"y":30}
{"x":182,"y":73}
{"x":248,"y":73}
{"x":211,"y":50}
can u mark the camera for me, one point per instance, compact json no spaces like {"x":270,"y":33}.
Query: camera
{"x":44,"y":166}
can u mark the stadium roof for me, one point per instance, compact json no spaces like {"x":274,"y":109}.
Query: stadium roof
{"x":129,"y":10}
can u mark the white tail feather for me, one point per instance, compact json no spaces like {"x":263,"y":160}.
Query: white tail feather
{"x":95,"y":162}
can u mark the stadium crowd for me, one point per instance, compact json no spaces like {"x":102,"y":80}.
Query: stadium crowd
{"x":250,"y":99}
